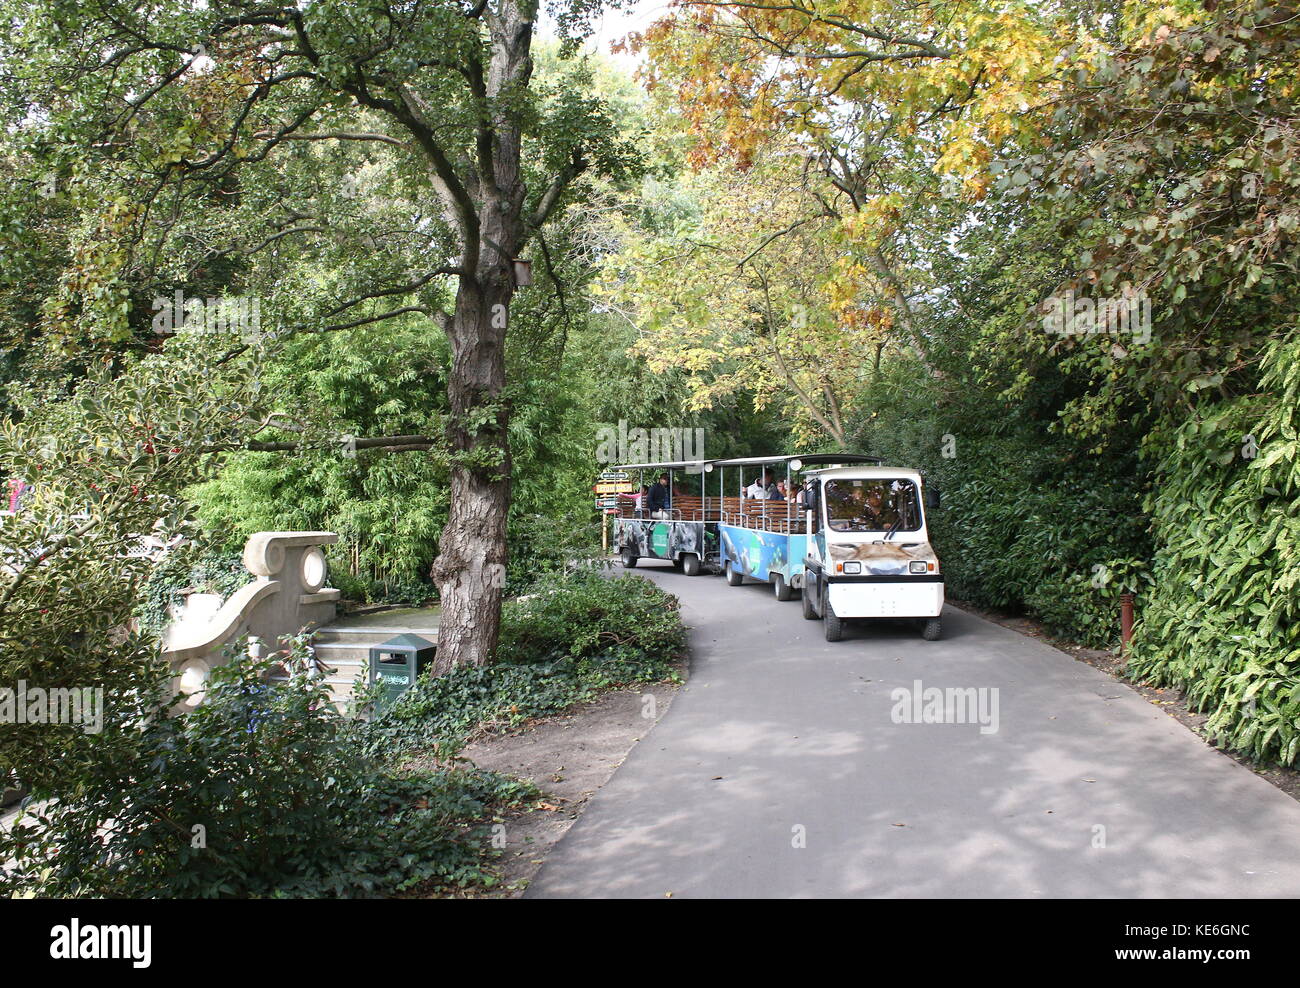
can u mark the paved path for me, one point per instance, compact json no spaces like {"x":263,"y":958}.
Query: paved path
{"x":779,"y":733}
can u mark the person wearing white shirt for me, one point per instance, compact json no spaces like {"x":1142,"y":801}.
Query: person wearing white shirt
{"x":763,"y":489}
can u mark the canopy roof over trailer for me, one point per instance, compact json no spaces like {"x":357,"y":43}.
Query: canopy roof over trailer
{"x":695,"y":465}
{"x":796,"y":461}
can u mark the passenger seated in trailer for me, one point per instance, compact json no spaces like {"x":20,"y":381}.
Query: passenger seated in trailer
{"x":638,"y":501}
{"x":660,"y":499}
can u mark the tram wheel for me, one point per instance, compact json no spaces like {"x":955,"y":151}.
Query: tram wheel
{"x":808,"y":612}
{"x":932,"y":630}
{"x":734,"y":579}
{"x":691,"y":564}
{"x":833,"y":626}
{"x":781,"y":588}
{"x":629,"y":558}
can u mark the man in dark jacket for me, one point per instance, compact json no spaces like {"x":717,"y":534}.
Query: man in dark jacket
{"x":660,"y":499}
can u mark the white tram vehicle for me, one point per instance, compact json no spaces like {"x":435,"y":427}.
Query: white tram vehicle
{"x":869,"y":553}
{"x":844,"y":531}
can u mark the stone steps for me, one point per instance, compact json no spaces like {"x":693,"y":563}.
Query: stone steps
{"x":345,"y":651}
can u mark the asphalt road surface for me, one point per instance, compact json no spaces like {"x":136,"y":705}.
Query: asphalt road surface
{"x":788,"y":767}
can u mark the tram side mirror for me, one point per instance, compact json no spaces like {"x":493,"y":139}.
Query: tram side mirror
{"x":931,"y":498}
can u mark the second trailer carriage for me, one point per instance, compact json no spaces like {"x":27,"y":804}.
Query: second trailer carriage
{"x":683,"y":532}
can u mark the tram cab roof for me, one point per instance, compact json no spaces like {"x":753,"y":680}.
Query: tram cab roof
{"x":865,"y":473}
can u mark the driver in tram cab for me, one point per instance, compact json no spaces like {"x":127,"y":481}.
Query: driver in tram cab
{"x":660,"y":498}
{"x":874,"y":512}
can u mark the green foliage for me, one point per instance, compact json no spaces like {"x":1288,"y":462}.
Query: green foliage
{"x":190,"y":566}
{"x":1223,"y":619}
{"x":583,"y":614}
{"x":576,"y":635}
{"x":263,"y":791}
{"x":388,"y":508}
{"x":108,"y":466}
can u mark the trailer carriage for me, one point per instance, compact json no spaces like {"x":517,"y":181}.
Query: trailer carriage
{"x":686,"y":534}
{"x":764,"y":539}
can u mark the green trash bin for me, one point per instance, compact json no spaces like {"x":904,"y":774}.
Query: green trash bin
{"x":397,"y":662}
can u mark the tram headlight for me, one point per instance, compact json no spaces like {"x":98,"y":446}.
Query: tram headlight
{"x":851,"y":568}
{"x":918,"y":566}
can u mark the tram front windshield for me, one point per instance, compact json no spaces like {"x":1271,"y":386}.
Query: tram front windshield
{"x":872,"y":506}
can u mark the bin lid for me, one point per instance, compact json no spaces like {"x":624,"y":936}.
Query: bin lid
{"x":405,"y":642}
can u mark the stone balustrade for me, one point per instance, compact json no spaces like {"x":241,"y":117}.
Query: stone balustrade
{"x":287,"y":595}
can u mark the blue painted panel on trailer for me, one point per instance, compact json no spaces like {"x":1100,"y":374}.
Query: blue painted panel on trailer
{"x":758,"y":553}
{"x":795,"y":554}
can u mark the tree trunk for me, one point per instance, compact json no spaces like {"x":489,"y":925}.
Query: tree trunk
{"x":471,"y":565}
{"x":472,"y":552}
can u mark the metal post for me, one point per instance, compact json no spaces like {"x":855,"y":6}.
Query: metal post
{"x":788,"y":502}
{"x":1125,"y":622}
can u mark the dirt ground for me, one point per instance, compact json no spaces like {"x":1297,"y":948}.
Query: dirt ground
{"x":1171,"y":701}
{"x":568,"y":758}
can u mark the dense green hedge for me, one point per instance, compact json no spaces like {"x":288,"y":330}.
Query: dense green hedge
{"x":1060,"y":547}
{"x":1222,"y":621}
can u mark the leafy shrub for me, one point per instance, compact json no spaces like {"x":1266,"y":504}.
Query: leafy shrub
{"x":263,"y":791}
{"x":409,"y":592}
{"x":544,"y":545}
{"x":576,"y":635}
{"x":1085,"y":606}
{"x":581,"y":614}
{"x":1223,"y":620}
{"x":1060,"y":548}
